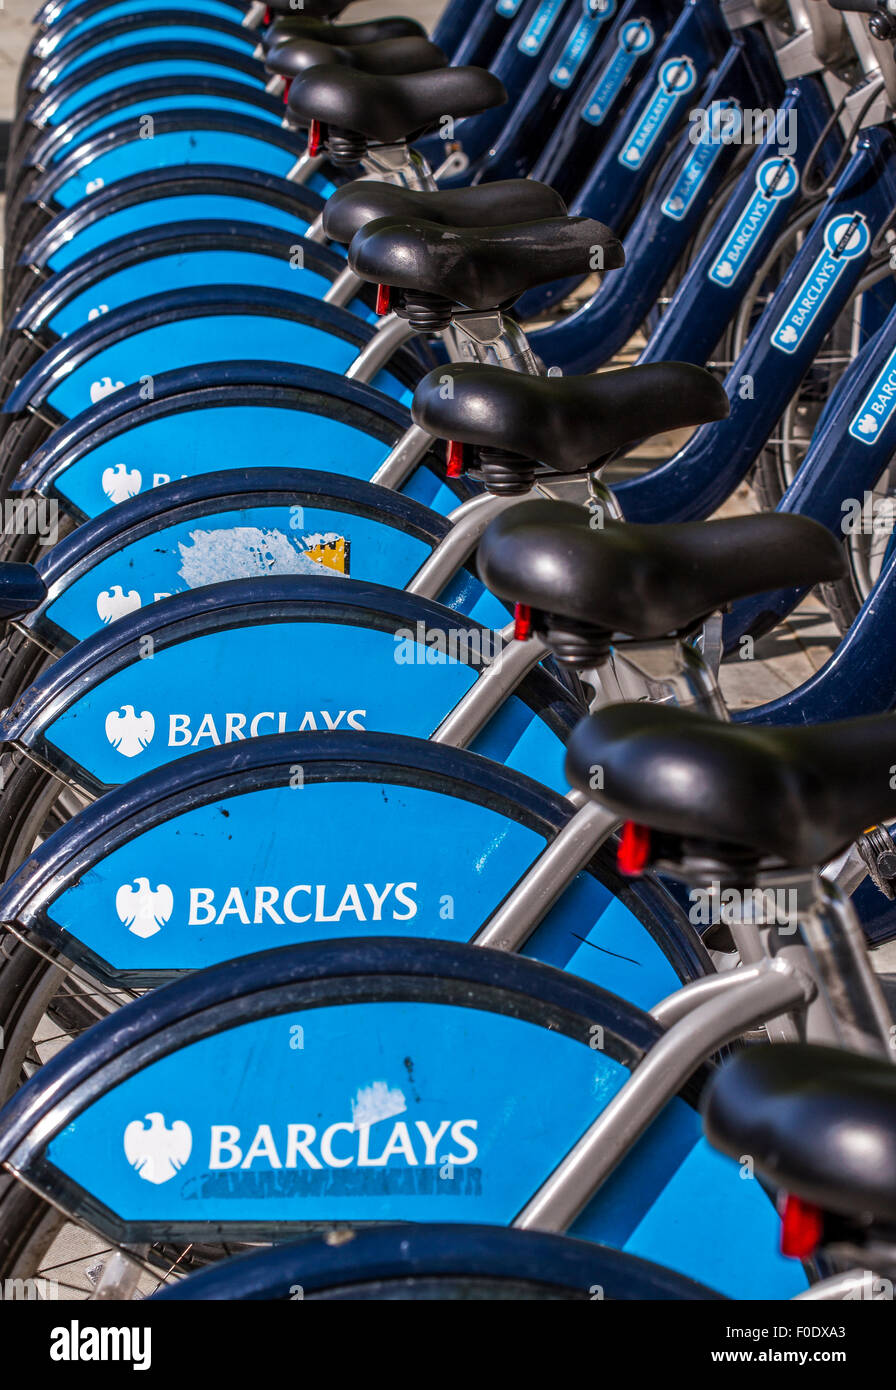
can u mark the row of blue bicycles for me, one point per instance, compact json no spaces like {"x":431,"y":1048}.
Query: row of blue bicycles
{"x":392,"y":906}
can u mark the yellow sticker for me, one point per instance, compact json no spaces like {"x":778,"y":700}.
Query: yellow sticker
{"x":332,"y":552}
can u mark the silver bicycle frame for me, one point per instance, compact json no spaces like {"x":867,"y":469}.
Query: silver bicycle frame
{"x":705,"y":1015}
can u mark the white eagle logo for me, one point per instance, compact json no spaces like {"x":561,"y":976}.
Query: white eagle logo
{"x":867,"y":425}
{"x":119,"y":483}
{"x":115,"y":603}
{"x":157,"y":1153}
{"x":144,"y":910}
{"x":104,"y":387}
{"x":128,"y":732}
{"x":724,"y":270}
{"x":788,"y":334}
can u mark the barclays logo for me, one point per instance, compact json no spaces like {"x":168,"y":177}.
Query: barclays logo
{"x":156,"y":1152}
{"x":120,"y":483}
{"x":343,"y":1145}
{"x":142,"y":909}
{"x":114,"y":603}
{"x":104,"y":387}
{"x":128,"y":732}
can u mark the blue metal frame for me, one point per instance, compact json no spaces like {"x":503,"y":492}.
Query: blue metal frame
{"x":754,"y":213}
{"x":613,"y":73}
{"x":550,"y":89}
{"x":672,"y":86}
{"x":692,"y":176}
{"x":472,"y":31}
{"x":827,"y":268}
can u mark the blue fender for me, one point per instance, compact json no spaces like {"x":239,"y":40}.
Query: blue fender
{"x":187,"y":328}
{"x":178,"y":256}
{"x":235,"y":411}
{"x":148,"y":98}
{"x":228,"y":815}
{"x":103,"y":77}
{"x":395,"y":662}
{"x":180,"y":137}
{"x":444,"y":1022}
{"x":140,"y":31}
{"x":170,"y":195}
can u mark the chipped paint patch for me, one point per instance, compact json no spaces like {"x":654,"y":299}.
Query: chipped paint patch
{"x":249,"y":552}
{"x":377,"y":1102}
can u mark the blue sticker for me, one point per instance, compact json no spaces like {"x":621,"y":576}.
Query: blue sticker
{"x":635,"y":39}
{"x":846,"y":237}
{"x":240,"y":543}
{"x":268,"y":678}
{"x":698,"y":165}
{"x":365,"y":1111}
{"x":148,"y":350}
{"x":540,"y":27}
{"x":169,"y":447}
{"x":877,"y":407}
{"x":581,"y":40}
{"x":191,"y":145}
{"x":776,"y":179}
{"x":264,"y":869}
{"x":676,"y":77}
{"x":185,"y":269}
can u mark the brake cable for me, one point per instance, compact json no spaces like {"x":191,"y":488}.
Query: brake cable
{"x":807,"y":188}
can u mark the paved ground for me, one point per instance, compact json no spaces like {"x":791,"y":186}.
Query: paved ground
{"x":15,"y":33}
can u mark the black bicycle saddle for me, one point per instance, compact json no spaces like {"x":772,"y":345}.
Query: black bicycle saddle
{"x":368,"y":31}
{"x":817,"y":1121}
{"x":295,"y":54}
{"x":794,"y":795}
{"x":480,"y":268}
{"x":568,"y":423}
{"x":646,"y":581}
{"x":390,"y":109}
{"x":482,"y":205}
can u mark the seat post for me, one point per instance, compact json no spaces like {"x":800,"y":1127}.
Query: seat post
{"x":495,"y":339}
{"x":398,"y":164}
{"x":831,"y":931}
{"x":669,"y":671}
